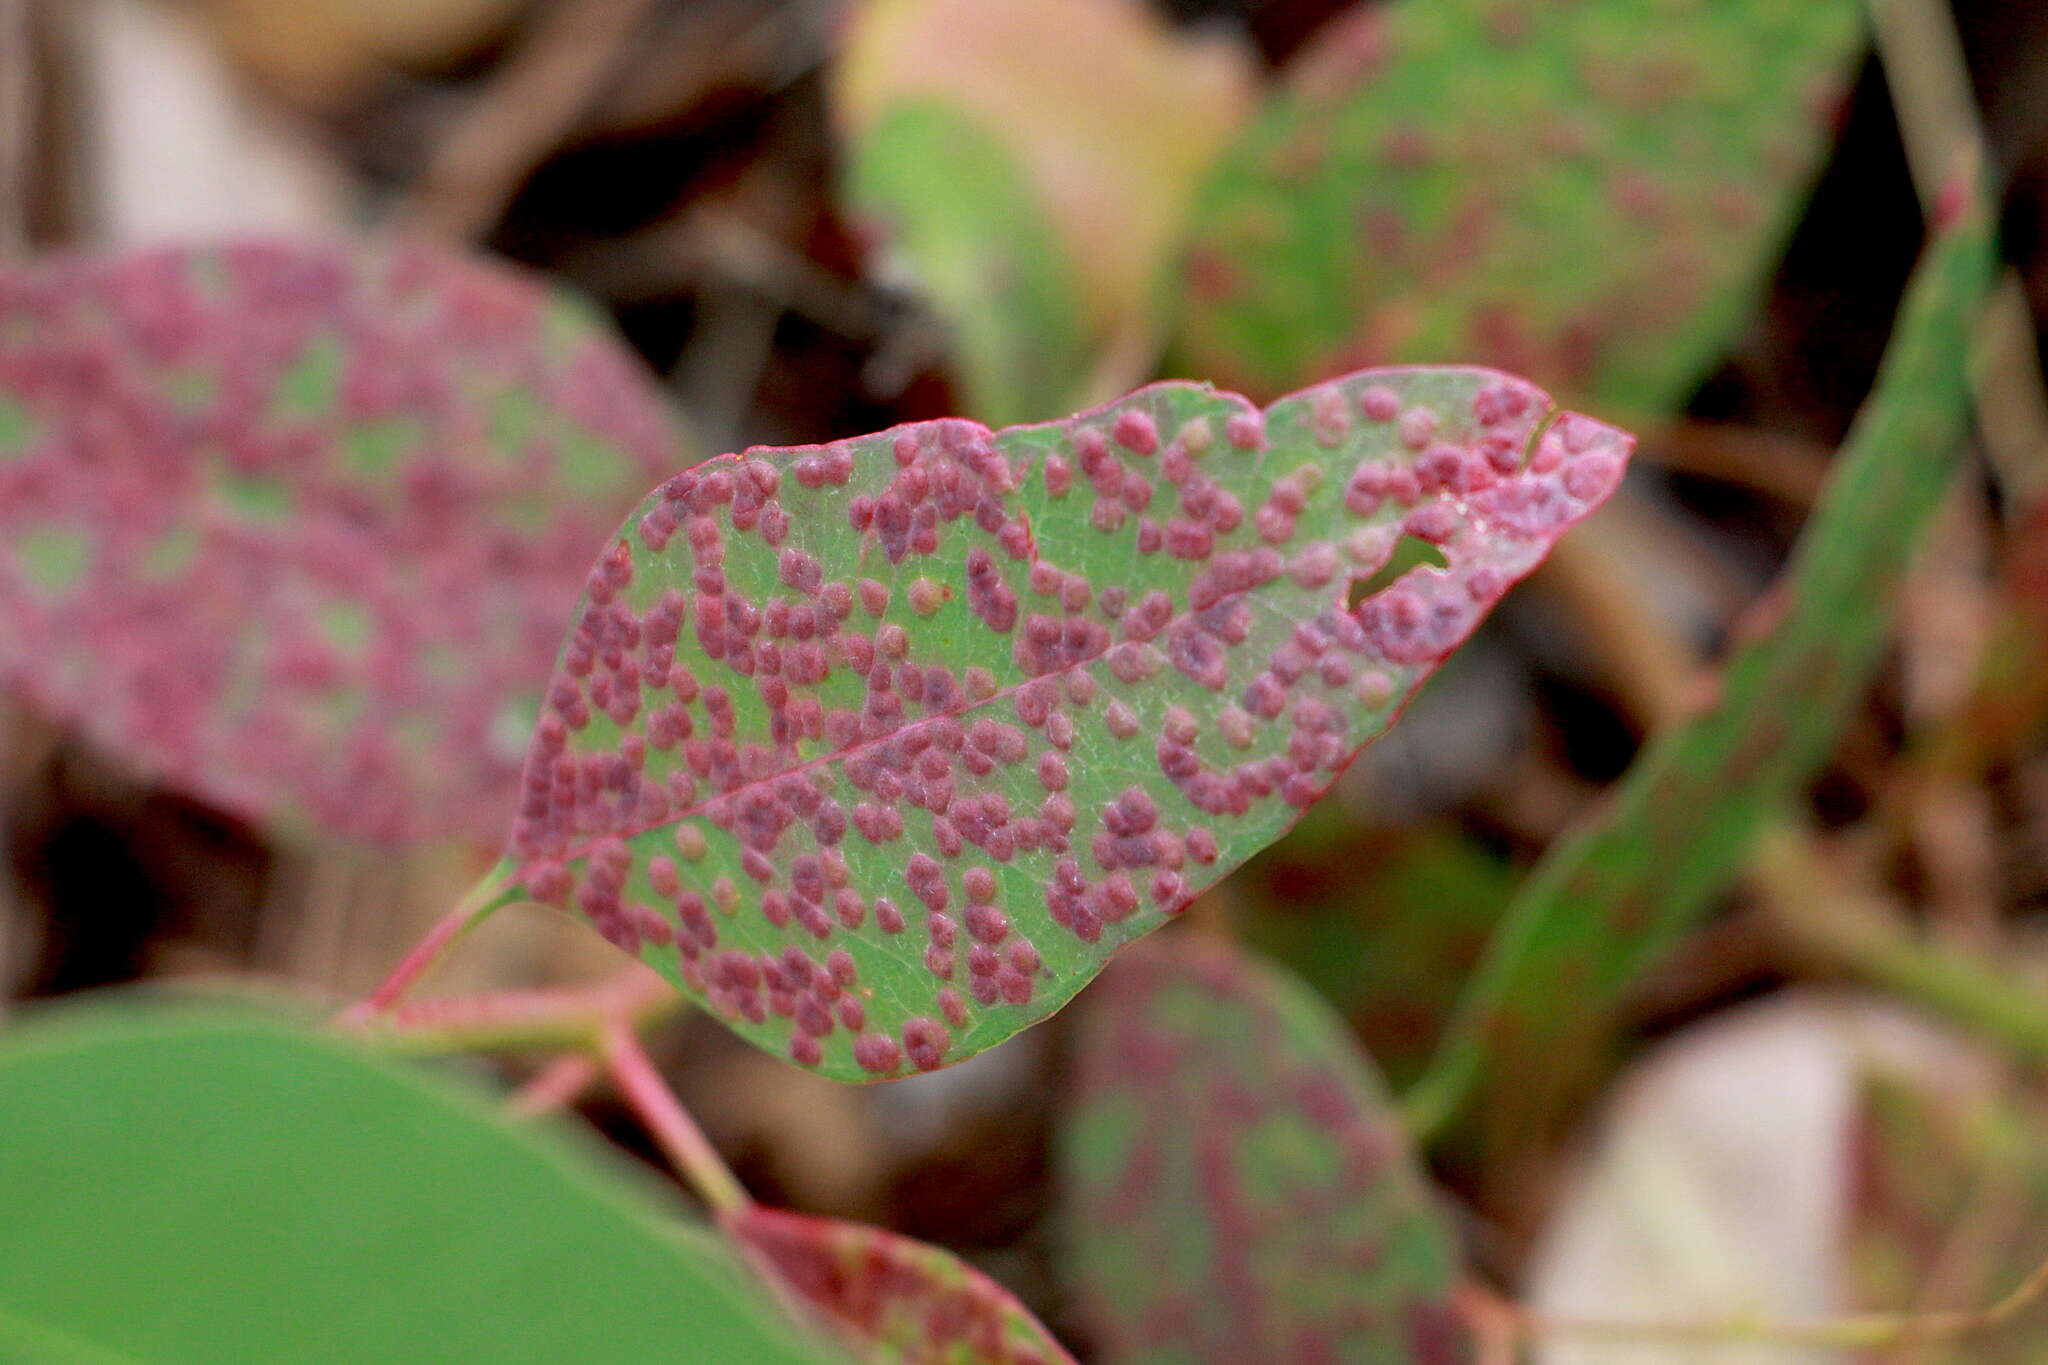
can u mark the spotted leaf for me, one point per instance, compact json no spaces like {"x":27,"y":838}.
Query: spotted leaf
{"x":881,"y":748}
{"x":1235,"y":1184}
{"x":1611,"y":900}
{"x":1589,"y":193}
{"x":896,"y":1300}
{"x":293,"y":527}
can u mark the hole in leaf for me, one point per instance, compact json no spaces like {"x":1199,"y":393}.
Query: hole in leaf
{"x":1409,"y":551}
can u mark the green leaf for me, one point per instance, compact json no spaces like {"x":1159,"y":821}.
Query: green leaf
{"x":1235,"y":1184}
{"x":1588,"y":193}
{"x":881,"y":748}
{"x":1031,"y":163}
{"x":210,"y":456}
{"x":1611,"y":900}
{"x":953,"y":206}
{"x":897,"y":1300}
{"x":193,"y":1185}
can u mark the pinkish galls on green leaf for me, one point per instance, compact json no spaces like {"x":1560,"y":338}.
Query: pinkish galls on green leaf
{"x":1235,"y":1185}
{"x":294,"y":527}
{"x":880,"y":748}
{"x":890,"y":1297}
{"x":1585,"y":193}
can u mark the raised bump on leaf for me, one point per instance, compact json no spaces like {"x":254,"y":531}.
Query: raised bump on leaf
{"x":897,"y":1299}
{"x":1235,"y":1184}
{"x":293,"y":526}
{"x":960,"y":712}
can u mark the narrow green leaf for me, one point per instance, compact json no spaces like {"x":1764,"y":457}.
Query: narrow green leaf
{"x":187,"y":1186}
{"x":1588,"y":193}
{"x":1608,"y":902}
{"x":207,"y":453}
{"x":953,"y":207}
{"x":1031,"y":163}
{"x":1235,"y":1184}
{"x":896,"y":1300}
{"x":881,"y":748}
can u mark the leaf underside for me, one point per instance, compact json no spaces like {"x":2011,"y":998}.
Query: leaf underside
{"x":293,"y":526}
{"x":1588,"y":194}
{"x":879,"y":749}
{"x":1609,"y":901}
{"x":896,"y":1299}
{"x":1235,"y":1184}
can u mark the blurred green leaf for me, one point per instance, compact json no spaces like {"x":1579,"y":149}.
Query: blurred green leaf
{"x":881,"y":748}
{"x":1588,"y":193}
{"x":192,"y":1187}
{"x":1040,"y":190}
{"x":954,"y":209}
{"x":898,"y":1300}
{"x":1611,"y":900}
{"x":1234,"y":1184}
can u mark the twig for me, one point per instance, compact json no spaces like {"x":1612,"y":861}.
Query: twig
{"x":554,"y":1086}
{"x":1850,"y":928}
{"x":1861,"y":1330}
{"x":539,"y":94}
{"x":469,"y":912}
{"x":572,"y":1017}
{"x":688,"y":1150}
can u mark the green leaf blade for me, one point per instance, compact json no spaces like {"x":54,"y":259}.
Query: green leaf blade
{"x":880,"y":749}
{"x":1235,"y":1184}
{"x":896,"y":1299}
{"x":186,"y":1186}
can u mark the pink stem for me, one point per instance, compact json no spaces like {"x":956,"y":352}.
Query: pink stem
{"x":479,"y":902}
{"x":677,"y":1133}
{"x":554,"y":1086}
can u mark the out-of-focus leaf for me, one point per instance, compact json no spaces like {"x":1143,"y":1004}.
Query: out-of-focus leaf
{"x":1113,"y":115}
{"x":188,"y":1187}
{"x":1716,"y":1190}
{"x":1587,"y":193}
{"x":1609,"y":901}
{"x":294,"y":527}
{"x":1805,"y":1158}
{"x":896,"y":1300}
{"x":881,"y":748}
{"x":1386,"y":929}
{"x":1236,"y":1187}
{"x":952,"y":205}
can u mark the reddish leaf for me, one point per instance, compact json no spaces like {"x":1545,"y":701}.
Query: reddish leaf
{"x":881,"y":748}
{"x":897,"y":1299}
{"x":1237,"y":1186}
{"x":294,"y":527}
